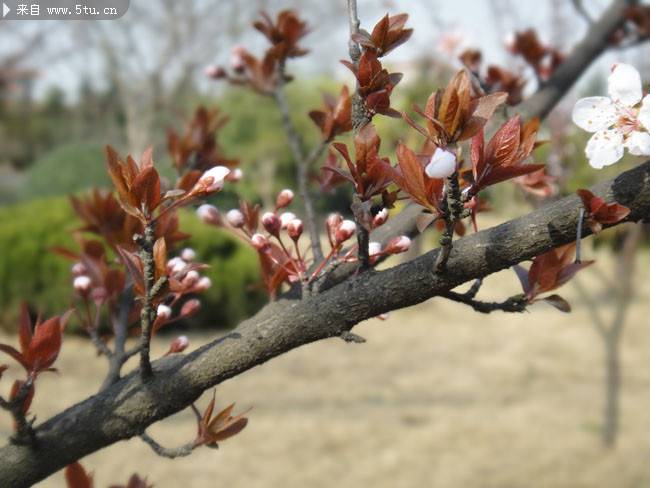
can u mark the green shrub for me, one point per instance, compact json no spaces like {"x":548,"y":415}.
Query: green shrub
{"x":66,"y":169}
{"x":28,"y":271}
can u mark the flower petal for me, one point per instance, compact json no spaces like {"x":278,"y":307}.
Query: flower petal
{"x":441,"y":165}
{"x":594,"y":113}
{"x":638,"y":143}
{"x":624,"y":84}
{"x":604,"y":148}
{"x":644,"y":112}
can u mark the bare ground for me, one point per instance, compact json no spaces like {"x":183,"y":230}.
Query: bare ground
{"x":439,"y":396}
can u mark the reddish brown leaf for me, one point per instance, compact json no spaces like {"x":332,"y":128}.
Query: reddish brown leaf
{"x":77,"y":477}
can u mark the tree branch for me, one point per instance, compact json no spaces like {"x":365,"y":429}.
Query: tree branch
{"x":129,"y":406}
{"x":586,"y":51}
{"x":513,"y":304}
{"x":167,"y":452}
{"x":303,"y":165}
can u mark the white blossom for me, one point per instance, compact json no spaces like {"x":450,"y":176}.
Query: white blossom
{"x":163,"y":311}
{"x":617,"y":121}
{"x":442,"y":164}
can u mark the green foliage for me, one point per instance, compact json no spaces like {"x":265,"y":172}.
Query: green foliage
{"x":29,"y":271}
{"x":66,"y":169}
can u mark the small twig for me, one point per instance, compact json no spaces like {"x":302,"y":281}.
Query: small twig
{"x":513,"y":304}
{"x":303,"y":164}
{"x":167,"y":452}
{"x":351,"y":337}
{"x":452,"y":210}
{"x":148,"y":314}
{"x":354,"y":22}
{"x":24,"y":434}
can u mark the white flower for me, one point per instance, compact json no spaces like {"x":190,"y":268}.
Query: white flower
{"x":374,"y":248}
{"x":213,"y":178}
{"x":442,"y":164}
{"x":617,"y":121}
{"x":163,"y":311}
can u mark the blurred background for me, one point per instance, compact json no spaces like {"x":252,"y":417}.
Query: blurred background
{"x":439,"y":396}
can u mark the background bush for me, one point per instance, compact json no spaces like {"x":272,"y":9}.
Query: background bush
{"x":29,"y":271}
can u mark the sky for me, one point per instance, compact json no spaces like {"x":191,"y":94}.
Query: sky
{"x":482,"y":23}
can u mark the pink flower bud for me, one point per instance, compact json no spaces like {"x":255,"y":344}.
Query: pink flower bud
{"x":176,"y":265}
{"x":191,"y":278}
{"x":203,"y":284}
{"x":272,"y":223}
{"x":237,"y":61}
{"x":188,"y":254}
{"x":190,"y":307}
{"x":82,"y":284}
{"x":260,"y":242}
{"x":212,"y":180}
{"x":374,"y":249}
{"x":380,"y":218}
{"x":163,"y":311}
{"x":285,"y":197}
{"x":332,"y":223}
{"x":285,"y":218}
{"x":398,"y":244}
{"x":235,"y":175}
{"x":344,"y":231}
{"x":214,"y":72}
{"x":178,"y":345}
{"x":294,"y":229}
{"x":79,"y":269}
{"x":209,"y":214}
{"x":235,"y":218}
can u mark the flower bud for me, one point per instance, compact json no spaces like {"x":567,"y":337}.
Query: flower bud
{"x":374,"y":249}
{"x":212,"y":180}
{"x":176,"y":265}
{"x":260,"y":242}
{"x":285,"y":197}
{"x":442,"y":164}
{"x":332,"y":223}
{"x":190,"y":307}
{"x":398,"y":245}
{"x":237,"y":61}
{"x":214,"y":72}
{"x":163,"y":311}
{"x":235,"y":218}
{"x":272,"y":223}
{"x":178,"y":345}
{"x":235,"y":175}
{"x":191,"y":278}
{"x":209,"y":214}
{"x":285,"y":218}
{"x":188,"y":254}
{"x":380,"y":218}
{"x":79,"y":269}
{"x":203,"y":284}
{"x":344,"y":231}
{"x":294,"y":229}
{"x":82,"y":284}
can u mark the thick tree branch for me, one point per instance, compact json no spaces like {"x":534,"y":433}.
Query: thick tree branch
{"x":129,"y":406}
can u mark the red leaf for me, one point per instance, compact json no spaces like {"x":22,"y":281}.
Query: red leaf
{"x":77,"y":477}
{"x":558,"y":302}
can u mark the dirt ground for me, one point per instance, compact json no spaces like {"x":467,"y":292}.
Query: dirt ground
{"x":438,"y":397}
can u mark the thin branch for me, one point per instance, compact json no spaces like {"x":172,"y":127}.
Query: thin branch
{"x":513,"y":304}
{"x":452,"y":208}
{"x":303,"y":164}
{"x":168,"y":452}
{"x":147,"y":314}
